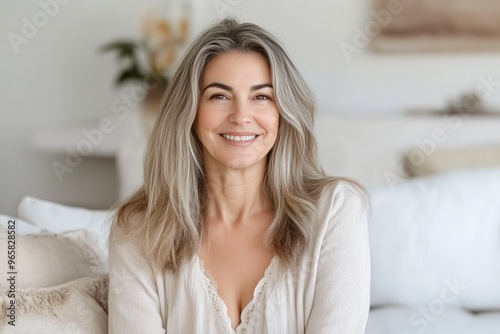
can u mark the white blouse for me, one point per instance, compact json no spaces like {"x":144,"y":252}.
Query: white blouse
{"x":328,"y":293}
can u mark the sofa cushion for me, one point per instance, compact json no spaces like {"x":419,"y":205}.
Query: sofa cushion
{"x":436,"y":233}
{"x":434,"y":319}
{"x":47,"y":259}
{"x":58,"y":218}
{"x":78,"y":306}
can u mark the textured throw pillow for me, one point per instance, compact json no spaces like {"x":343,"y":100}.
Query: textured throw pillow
{"x":48,"y":259}
{"x":78,"y":306}
{"x":59,"y":218}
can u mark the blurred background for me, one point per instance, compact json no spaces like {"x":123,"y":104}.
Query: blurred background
{"x":407,"y":92}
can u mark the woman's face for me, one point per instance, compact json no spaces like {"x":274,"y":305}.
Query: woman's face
{"x":237,"y":119}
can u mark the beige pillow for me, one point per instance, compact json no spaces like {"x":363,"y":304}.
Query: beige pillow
{"x":79,"y":306}
{"x":417,"y":163}
{"x":47,"y":259}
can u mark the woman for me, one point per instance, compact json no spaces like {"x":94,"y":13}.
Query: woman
{"x":237,"y":229}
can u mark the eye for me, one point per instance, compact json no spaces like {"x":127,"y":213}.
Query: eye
{"x":262,"y":97}
{"x":218,"y":97}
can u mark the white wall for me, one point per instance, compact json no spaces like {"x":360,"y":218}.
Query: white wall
{"x":312,"y":32}
{"x":59,"y":76}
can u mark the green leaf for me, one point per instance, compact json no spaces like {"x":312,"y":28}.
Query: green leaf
{"x":124,"y":49}
{"x":129,"y":74}
{"x":118,"y":45}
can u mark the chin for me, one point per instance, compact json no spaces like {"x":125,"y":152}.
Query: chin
{"x":240,"y":163}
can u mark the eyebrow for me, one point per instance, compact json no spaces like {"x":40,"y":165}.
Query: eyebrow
{"x":230,"y":89}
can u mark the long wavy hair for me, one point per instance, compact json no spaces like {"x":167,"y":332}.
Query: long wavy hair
{"x":165,"y":217}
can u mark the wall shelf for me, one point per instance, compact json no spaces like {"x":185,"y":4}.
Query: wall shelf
{"x":79,"y":136}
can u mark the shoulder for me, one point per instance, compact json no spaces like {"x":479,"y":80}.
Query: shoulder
{"x":126,"y":223}
{"x":129,"y":217}
{"x":124,"y":235}
{"x":344,"y":205}
{"x":344,"y":193}
{"x":126,"y":252}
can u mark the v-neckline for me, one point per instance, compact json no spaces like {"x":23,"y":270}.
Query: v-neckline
{"x":220,"y":305}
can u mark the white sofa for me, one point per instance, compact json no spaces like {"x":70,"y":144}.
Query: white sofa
{"x":435,"y":241}
{"x":435,"y":249}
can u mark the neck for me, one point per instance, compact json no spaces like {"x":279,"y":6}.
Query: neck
{"x":236,"y":195}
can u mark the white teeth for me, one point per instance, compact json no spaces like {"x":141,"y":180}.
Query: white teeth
{"x":239,"y":138}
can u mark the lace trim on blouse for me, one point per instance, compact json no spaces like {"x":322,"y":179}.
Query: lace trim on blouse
{"x":220,"y":306}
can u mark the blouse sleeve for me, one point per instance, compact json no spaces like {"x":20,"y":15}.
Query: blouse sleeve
{"x":133,"y":303}
{"x":342,"y":291}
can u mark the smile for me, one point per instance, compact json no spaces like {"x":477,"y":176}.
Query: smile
{"x":239,"y":138}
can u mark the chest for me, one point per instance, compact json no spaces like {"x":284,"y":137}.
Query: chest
{"x":236,"y":263}
{"x":277,"y":309}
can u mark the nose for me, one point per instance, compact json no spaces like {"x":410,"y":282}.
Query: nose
{"x":240,"y":112}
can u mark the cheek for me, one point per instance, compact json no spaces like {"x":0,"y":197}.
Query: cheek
{"x":209,"y":118}
{"x":197,"y":126}
{"x":200,"y":130}
{"x":206,"y":126}
{"x":202,"y":122}
{"x":273,"y":121}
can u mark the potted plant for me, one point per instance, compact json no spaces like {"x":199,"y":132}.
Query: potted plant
{"x":150,"y":59}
